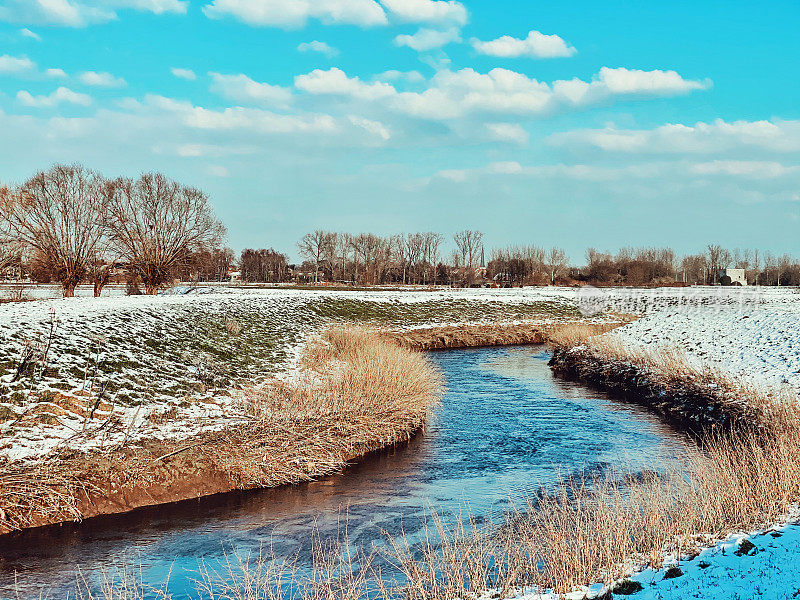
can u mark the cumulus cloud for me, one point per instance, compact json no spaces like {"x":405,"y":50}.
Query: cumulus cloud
{"x":453,"y":94}
{"x":59,"y":96}
{"x":241,"y":88}
{"x":744,"y":168}
{"x":508,"y":132}
{"x":13,"y":65}
{"x":55,"y":73}
{"x":700,"y":138}
{"x":427,"y":11}
{"x":536,"y":45}
{"x":317,"y":46}
{"x":375,"y":127}
{"x":80,"y":13}
{"x":101,"y":79}
{"x":187,"y":74}
{"x":395,"y":75}
{"x":428,"y":39}
{"x":336,"y":82}
{"x":634,"y":81}
{"x":25,"y":32}
{"x":296,"y":13}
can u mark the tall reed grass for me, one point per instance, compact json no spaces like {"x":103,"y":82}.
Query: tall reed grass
{"x":584,"y":531}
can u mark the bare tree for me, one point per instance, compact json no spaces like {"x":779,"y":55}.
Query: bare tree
{"x":10,"y":247}
{"x":718,"y":258}
{"x":468,"y":243}
{"x":157,"y":223}
{"x":556,"y":263}
{"x":60,"y":214}
{"x":430,"y":252}
{"x":316,"y":247}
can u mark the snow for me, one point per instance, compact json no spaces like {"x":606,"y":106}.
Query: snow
{"x":175,"y":351}
{"x":757,"y":341}
{"x":190,"y":350}
{"x":158,"y":345}
{"x":768,"y":572}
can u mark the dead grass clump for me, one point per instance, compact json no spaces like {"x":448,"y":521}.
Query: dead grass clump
{"x":576,"y":333}
{"x":48,"y":488}
{"x":352,"y":371}
{"x":358,"y":392}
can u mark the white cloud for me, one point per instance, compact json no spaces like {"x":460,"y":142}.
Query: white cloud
{"x":295,"y":13}
{"x":394,"y":75}
{"x":700,"y":138}
{"x":25,"y":32}
{"x":61,"y":95}
{"x":55,"y":73}
{"x":241,"y":88}
{"x":187,"y":74}
{"x":80,"y":13}
{"x":428,"y":39}
{"x":744,"y":168}
{"x":536,"y":45}
{"x":336,"y":82}
{"x":101,"y":79}
{"x":375,"y":127}
{"x":15,"y":64}
{"x":453,"y":94}
{"x":427,"y":11}
{"x":634,"y":81}
{"x":508,"y":132}
{"x":317,"y":46}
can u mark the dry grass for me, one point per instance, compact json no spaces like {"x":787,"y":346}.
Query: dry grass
{"x":584,"y":531}
{"x":357,"y":392}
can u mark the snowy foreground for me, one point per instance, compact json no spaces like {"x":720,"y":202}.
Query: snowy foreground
{"x":172,"y":365}
{"x":763,"y":565}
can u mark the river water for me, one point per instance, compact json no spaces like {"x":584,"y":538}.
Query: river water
{"x":505,"y":428}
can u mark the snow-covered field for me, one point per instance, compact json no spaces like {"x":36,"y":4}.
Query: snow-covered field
{"x":757,"y":339}
{"x":170,"y":365}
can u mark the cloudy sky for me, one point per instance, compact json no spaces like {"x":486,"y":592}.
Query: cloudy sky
{"x":576,"y":124}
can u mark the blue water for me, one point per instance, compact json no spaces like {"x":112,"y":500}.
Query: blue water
{"x":505,"y":428}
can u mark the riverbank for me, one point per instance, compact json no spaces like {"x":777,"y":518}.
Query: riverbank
{"x":355,"y":392}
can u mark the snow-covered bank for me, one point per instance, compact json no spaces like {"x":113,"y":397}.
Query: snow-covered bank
{"x":168,"y":366}
{"x":760,"y":342}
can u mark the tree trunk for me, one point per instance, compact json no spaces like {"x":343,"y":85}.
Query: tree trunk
{"x":98,"y":289}
{"x":151,"y":289}
{"x":69,"y":288}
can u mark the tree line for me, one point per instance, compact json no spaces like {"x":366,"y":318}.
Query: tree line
{"x":72,"y":225}
{"x":76,"y":225}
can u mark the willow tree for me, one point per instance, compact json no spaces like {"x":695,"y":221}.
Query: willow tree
{"x":156,"y":224}
{"x":59,"y":214}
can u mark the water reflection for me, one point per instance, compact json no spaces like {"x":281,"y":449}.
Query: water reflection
{"x":505,"y":427}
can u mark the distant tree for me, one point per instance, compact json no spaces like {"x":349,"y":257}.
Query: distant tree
{"x":60,"y":214}
{"x":556,"y":263}
{"x":10,"y":247}
{"x":718,"y":258}
{"x":468,"y":244}
{"x":156,"y":224}
{"x":317,"y":246}
{"x":268,"y":266}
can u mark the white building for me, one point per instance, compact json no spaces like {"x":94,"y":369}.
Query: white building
{"x":737,"y":276}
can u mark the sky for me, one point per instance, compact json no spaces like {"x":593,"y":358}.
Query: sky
{"x":571,"y":124}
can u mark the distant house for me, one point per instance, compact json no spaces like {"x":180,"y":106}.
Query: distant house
{"x":737,"y":276}
{"x":236,"y":276}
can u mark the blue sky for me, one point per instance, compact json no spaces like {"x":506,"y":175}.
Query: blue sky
{"x":572,"y":124}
